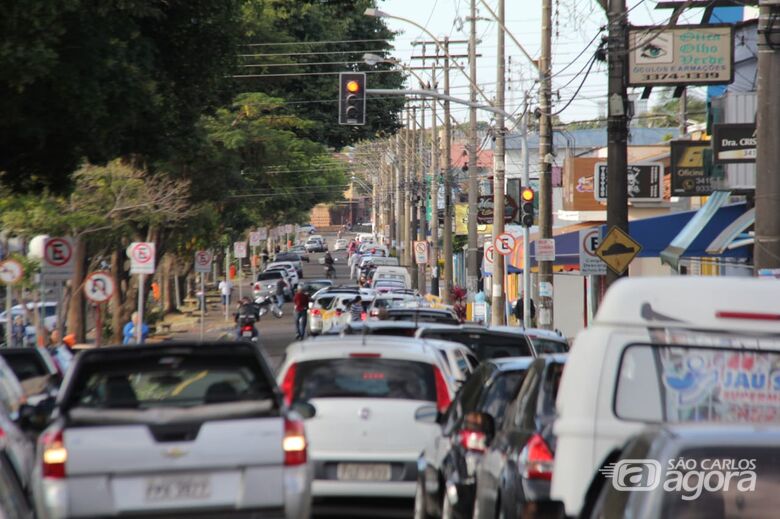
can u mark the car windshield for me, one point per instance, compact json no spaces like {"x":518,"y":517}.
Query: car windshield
{"x":26,"y":364}
{"x":549,"y":346}
{"x":674,"y":383}
{"x":365,"y":378}
{"x":169,"y":381}
{"x":484,"y":344}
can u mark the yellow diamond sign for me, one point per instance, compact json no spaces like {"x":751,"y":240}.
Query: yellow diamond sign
{"x":617,"y":250}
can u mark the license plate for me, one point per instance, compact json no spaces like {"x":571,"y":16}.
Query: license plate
{"x":178,"y":488}
{"x":246,"y":334}
{"x":363,"y":472}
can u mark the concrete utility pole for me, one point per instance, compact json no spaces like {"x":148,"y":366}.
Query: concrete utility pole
{"x":472,"y":266}
{"x":617,"y":124}
{"x":413,"y":196}
{"x":447,"y":165}
{"x":498,"y":314}
{"x":399,"y":195}
{"x":407,"y":222}
{"x":434,"y":192}
{"x":421,"y":234}
{"x":767,"y":245}
{"x":545,"y":304}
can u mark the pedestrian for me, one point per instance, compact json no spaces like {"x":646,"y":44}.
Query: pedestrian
{"x":301,"y":301}
{"x":225,"y":288}
{"x":356,"y":309}
{"x":519,"y":310}
{"x":60,"y":349}
{"x":280,"y":286}
{"x":18,"y":331}
{"x":129,"y":331}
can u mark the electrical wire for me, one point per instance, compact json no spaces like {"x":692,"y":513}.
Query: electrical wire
{"x":320,"y":42}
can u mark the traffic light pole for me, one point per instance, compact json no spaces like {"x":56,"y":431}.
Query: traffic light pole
{"x":447,"y":166}
{"x":472,"y":267}
{"x":526,"y":230}
{"x":498,"y":308}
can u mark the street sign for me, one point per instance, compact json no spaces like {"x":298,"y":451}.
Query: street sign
{"x":734,"y":143}
{"x":617,"y":250}
{"x":689,"y":175}
{"x":683,"y":55}
{"x":203,"y":259}
{"x":11,"y":271}
{"x":421,"y":252}
{"x":254,"y":239}
{"x":57,"y":258}
{"x":99,"y":287}
{"x":485,"y":209}
{"x":505,"y":244}
{"x":545,"y":250}
{"x":239,"y":249}
{"x":262,"y":233}
{"x":545,"y":289}
{"x":141,"y":257}
{"x":645,"y":182}
{"x":490,"y":254}
{"x":590,"y":263}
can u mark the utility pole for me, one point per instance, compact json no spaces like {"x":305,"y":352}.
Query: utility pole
{"x":767,"y":243}
{"x":399,"y":196}
{"x":526,"y":231}
{"x":683,"y":112}
{"x":498,"y":312}
{"x":414,"y":193}
{"x":434,"y":192}
{"x":472,"y":274}
{"x":545,"y":303}
{"x":407,"y":222}
{"x":421,"y":196}
{"x":448,"y":216}
{"x":617,"y":123}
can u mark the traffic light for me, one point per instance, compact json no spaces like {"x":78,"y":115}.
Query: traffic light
{"x":527,"y":207}
{"x":352,"y":98}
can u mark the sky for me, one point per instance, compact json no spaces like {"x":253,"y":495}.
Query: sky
{"x":576,"y":26}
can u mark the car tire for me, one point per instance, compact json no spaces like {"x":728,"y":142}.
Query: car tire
{"x":419,"y":503}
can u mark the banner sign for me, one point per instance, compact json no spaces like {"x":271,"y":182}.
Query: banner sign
{"x":645,"y":182}
{"x":734,"y":143}
{"x":689,"y":176}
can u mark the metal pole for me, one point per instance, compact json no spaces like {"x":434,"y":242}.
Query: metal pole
{"x":471,"y":256}
{"x":421,"y":234}
{"x":498,"y":310}
{"x":447,"y":165}
{"x":413,"y":195}
{"x":252,"y":263}
{"x":41,"y":297}
{"x":399,"y":212}
{"x":227,"y":282}
{"x":767,"y":242}
{"x":526,"y":230}
{"x":240,"y":288}
{"x":139,"y":326}
{"x":202,"y":307}
{"x":9,"y":301}
{"x":408,"y":189}
{"x":434,"y":192}
{"x":98,"y":325}
{"x":545,"y":156}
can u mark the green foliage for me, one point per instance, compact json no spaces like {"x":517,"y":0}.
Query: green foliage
{"x":665,"y":113}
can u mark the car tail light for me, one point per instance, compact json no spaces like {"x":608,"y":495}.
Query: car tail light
{"x":339,"y":312}
{"x":54,"y":454}
{"x":294,"y":442}
{"x":374,"y":312}
{"x":257,"y":286}
{"x":362,"y":316}
{"x":536,"y":459}
{"x":316,"y":311}
{"x":748,"y":316}
{"x":288,"y":384}
{"x":247,"y":328}
{"x":365,"y":355}
{"x":473,"y":440}
{"x":442,"y":393}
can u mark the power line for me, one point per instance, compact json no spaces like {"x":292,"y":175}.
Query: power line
{"x":321,"y":42}
{"x":272,"y":54}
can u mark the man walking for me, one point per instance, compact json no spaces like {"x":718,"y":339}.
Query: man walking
{"x":356,"y":309}
{"x":225,"y":288}
{"x":301,"y":301}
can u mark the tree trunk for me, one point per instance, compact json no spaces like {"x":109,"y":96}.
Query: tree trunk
{"x":76,"y":306}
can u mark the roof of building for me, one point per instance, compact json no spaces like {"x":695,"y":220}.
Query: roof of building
{"x":459,"y":156}
{"x":594,"y":138}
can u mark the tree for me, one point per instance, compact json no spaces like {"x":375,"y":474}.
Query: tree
{"x":665,"y":113}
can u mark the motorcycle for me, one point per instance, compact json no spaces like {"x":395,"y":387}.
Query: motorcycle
{"x":268,"y":304}
{"x":247,"y":330}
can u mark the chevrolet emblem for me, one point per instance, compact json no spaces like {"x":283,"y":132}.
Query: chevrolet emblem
{"x":174,"y":452}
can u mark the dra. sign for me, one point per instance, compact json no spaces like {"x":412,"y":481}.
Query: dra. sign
{"x":681,"y":55}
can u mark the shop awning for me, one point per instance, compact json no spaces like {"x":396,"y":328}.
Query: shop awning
{"x":733,"y":235}
{"x":698,"y":222}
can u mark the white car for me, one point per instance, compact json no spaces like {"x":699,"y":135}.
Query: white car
{"x":320,"y":301}
{"x":663,"y":350}
{"x":266,"y":282}
{"x":341,"y":244}
{"x":289,"y":266}
{"x":375,"y":402}
{"x":172,"y":430}
{"x":457,"y":358}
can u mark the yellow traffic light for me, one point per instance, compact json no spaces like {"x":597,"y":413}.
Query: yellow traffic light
{"x":527,"y":195}
{"x":353,"y":87}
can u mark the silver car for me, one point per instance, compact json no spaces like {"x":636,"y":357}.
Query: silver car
{"x":172,"y":431}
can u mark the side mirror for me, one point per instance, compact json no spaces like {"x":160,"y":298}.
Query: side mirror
{"x":427,"y":414}
{"x":305,"y":409}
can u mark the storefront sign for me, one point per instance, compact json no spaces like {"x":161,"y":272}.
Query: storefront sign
{"x":734,"y":143}
{"x":689,"y":176}
{"x":645,"y":182}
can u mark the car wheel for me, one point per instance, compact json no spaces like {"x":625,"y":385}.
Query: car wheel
{"x":419,"y":503}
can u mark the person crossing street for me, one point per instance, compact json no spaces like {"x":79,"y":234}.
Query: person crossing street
{"x":301,"y":302}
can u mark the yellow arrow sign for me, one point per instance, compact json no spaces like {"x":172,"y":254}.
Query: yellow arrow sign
{"x":617,"y":250}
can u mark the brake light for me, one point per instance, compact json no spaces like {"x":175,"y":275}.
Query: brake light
{"x":54,"y":454}
{"x":750,"y":316}
{"x":536,"y":460}
{"x":362,"y":316}
{"x":442,"y":393}
{"x":473,"y":440}
{"x":288,"y":384}
{"x":374,"y":312}
{"x":338,"y":312}
{"x":365,"y":355}
{"x":247,"y":328}
{"x":316,"y":311}
{"x":257,"y":286}
{"x":294,"y":442}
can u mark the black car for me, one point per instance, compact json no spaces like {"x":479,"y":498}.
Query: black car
{"x":421,"y":315}
{"x":702,"y":471}
{"x":445,"y":485}
{"x":486,"y":343}
{"x":514,"y":475}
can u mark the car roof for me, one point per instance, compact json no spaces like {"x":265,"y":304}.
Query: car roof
{"x":391,"y":347}
{"x":531,"y":332}
{"x":511,"y":363}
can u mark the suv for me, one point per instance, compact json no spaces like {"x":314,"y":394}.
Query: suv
{"x":486,"y":343}
{"x":294,"y":258}
{"x":315,"y":245}
{"x":172,"y":430}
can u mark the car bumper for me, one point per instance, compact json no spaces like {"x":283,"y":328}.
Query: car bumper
{"x":401,"y":485}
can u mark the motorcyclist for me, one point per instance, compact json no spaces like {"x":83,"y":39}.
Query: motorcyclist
{"x":248,"y":313}
{"x":329,"y":268}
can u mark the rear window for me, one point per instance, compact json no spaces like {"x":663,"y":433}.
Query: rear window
{"x":287,"y":257}
{"x":26,"y":364}
{"x":365,"y":378}
{"x":422,"y":317}
{"x":169,"y":381}
{"x":549,"y":346}
{"x":271,"y":274}
{"x":484,"y":345}
{"x":665,"y":383}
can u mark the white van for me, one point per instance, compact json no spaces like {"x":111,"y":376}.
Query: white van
{"x":391,"y":274}
{"x":663,"y":350}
